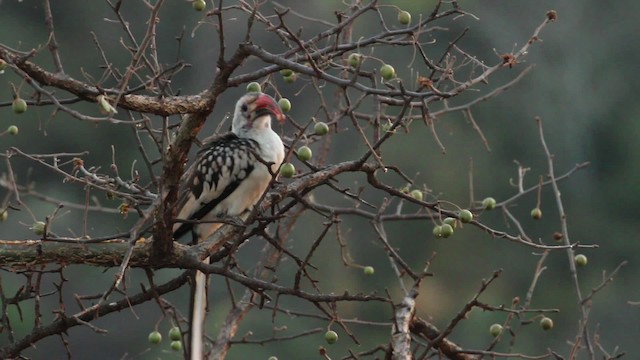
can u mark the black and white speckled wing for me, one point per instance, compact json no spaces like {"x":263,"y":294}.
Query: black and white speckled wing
{"x":226,"y":179}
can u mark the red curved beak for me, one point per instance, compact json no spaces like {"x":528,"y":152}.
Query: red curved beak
{"x":265,"y":101}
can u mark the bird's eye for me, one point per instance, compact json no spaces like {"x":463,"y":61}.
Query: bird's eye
{"x":244,"y":107}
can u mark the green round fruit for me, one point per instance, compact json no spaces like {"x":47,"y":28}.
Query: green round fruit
{"x":175,"y":334}
{"x":199,"y":5}
{"x":581,"y":260}
{"x":3,"y":65}
{"x":355,"y":60}
{"x":304,"y":153}
{"x":489,"y":203}
{"x":176,"y":345}
{"x":321,"y":128}
{"x":287,"y":170}
{"x":495,"y":330}
{"x":387,"y":71}
{"x":369,"y":270}
{"x":404,"y":17}
{"x":285,"y":104}
{"x":446,"y":230}
{"x":123,"y":208}
{"x":416,"y":194}
{"x":19,"y":106}
{"x":451,"y":221}
{"x":331,"y":337}
{"x":4,"y":214}
{"x":12,"y":130}
{"x":254,"y":87}
{"x":465,"y":216}
{"x":104,"y":106}
{"x":546,"y":323}
{"x":291,"y":78}
{"x":286,"y":72}
{"x":38,"y":227}
{"x":155,"y":337}
{"x":437,"y":231}
{"x":536,"y":213}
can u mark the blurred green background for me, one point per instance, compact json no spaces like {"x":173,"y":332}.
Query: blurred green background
{"x":582,"y":86}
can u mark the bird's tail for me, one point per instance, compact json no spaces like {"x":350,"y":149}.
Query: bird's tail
{"x":199,"y":299}
{"x":198,"y":311}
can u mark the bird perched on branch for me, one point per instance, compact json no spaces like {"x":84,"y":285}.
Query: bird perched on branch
{"x":228,"y":177}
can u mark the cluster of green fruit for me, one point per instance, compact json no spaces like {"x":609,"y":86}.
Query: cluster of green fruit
{"x":489,"y":203}
{"x":445,"y":229}
{"x":287,"y":169}
{"x":287,"y":74}
{"x":536,"y":214}
{"x":174,"y":334}
{"x":546,"y":323}
{"x":386,"y":71}
{"x":19,"y":106}
{"x":304,"y":153}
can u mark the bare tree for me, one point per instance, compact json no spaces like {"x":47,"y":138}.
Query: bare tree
{"x":340,"y":75}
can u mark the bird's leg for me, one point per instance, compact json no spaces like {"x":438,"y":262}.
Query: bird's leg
{"x":194,"y":238}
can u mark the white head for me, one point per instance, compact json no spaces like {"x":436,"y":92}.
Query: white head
{"x":254,"y":112}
